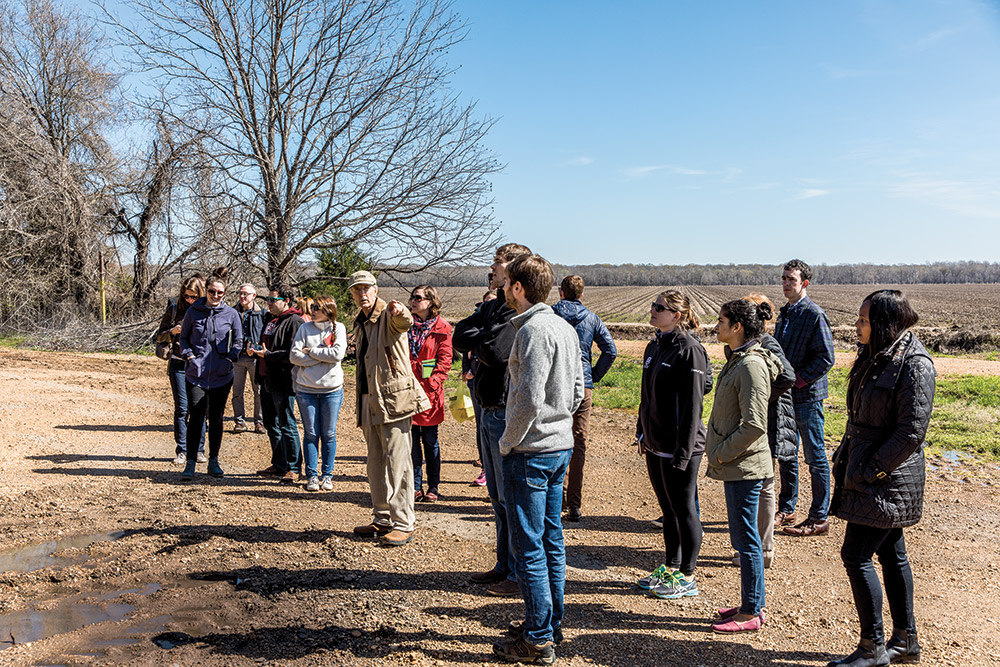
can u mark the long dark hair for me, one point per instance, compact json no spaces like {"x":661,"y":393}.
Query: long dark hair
{"x":890,"y":314}
{"x":752,"y":316}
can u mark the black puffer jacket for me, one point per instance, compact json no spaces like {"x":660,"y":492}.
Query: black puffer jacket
{"x":782,"y":435}
{"x":879,"y":467}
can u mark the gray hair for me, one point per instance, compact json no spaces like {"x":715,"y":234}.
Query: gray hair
{"x":249,"y":285}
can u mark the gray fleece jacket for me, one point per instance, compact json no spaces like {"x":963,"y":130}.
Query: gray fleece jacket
{"x":544,"y":384}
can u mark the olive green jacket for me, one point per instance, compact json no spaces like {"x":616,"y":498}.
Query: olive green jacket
{"x":736,"y":448}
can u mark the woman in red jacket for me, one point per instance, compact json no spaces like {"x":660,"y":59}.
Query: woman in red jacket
{"x":430,"y":356}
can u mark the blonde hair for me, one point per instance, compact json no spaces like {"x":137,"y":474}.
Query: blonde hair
{"x":679,"y":303}
{"x":757,"y":299}
{"x":303,"y":303}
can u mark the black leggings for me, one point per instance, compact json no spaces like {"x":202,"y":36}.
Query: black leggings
{"x":213,"y":403}
{"x":860,"y":544}
{"x":677,"y":492}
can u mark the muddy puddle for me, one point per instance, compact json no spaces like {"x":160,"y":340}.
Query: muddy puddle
{"x":45,"y":554}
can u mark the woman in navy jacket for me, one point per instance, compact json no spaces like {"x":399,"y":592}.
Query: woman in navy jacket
{"x":211,"y":339}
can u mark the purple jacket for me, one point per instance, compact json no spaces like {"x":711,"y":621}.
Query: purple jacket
{"x":211,"y":340}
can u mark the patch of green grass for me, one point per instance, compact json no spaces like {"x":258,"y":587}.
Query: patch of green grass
{"x":12,"y":340}
{"x":619,"y":389}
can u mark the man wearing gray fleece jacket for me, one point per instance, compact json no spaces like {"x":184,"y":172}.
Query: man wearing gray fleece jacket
{"x":544,"y":388}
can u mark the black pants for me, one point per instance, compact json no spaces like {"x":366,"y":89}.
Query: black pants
{"x":860,"y":544}
{"x":202,"y":402}
{"x":677,"y":492}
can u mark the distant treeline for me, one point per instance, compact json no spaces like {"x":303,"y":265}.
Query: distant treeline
{"x":730,"y":274}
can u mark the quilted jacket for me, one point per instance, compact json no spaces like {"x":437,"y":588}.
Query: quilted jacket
{"x":879,"y":467}
{"x":782,"y":434}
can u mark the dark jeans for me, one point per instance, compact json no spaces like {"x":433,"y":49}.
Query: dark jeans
{"x":677,"y":492}
{"x":428,"y":435}
{"x":178,"y":389}
{"x":491,"y":427}
{"x":210,"y":403}
{"x":741,"y":507}
{"x":478,"y":411}
{"x":533,"y":485}
{"x":279,"y":419}
{"x":860,"y":544}
{"x":581,"y":428}
{"x":809,"y":421}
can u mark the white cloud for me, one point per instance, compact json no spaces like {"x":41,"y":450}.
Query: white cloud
{"x":581,"y":161}
{"x":809,"y":193}
{"x":933,"y":38}
{"x":639,"y":172}
{"x":976,"y":198}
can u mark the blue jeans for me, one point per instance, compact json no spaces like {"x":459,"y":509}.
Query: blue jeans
{"x":809,"y":422}
{"x":279,"y":419}
{"x":319,"y":423}
{"x":741,"y":507}
{"x":178,"y":389}
{"x":491,"y":427}
{"x":478,"y":412}
{"x":533,"y":484}
{"x":428,"y":435}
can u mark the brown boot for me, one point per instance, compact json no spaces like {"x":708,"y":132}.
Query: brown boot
{"x":371,"y":530}
{"x":808,"y":528}
{"x":396,"y":538}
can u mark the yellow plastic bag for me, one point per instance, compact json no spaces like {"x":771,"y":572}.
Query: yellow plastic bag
{"x":460,"y":404}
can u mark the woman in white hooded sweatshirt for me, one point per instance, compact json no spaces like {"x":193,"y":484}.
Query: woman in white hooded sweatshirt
{"x":317,"y":350}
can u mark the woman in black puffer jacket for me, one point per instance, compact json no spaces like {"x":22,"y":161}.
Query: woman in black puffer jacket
{"x":879,"y":473}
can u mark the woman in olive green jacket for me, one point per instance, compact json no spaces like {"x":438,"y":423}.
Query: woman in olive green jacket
{"x":737,"y":453}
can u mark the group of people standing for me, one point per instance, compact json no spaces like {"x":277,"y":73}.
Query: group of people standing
{"x":531,"y":372}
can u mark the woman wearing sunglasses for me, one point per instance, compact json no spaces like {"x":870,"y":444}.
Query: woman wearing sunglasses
{"x":192,"y":289}
{"x":317,"y":350}
{"x":676,"y":376}
{"x":430,"y":357}
{"x":211,"y":339}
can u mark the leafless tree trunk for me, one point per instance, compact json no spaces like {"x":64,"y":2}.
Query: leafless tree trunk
{"x":333,"y":122}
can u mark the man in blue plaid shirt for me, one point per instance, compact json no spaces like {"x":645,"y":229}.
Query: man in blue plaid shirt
{"x":803,"y":330}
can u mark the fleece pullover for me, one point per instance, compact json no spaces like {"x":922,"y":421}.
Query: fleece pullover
{"x":545,"y":384}
{"x":319,"y":370}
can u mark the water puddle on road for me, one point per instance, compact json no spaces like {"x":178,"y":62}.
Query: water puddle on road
{"x":37,"y":556}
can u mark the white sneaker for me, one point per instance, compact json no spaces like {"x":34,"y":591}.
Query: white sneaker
{"x":181,"y":459}
{"x":201,"y":457}
{"x":327,"y":484}
{"x":313,"y":484}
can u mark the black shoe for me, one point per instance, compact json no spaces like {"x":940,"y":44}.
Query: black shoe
{"x":902,"y":648}
{"x":868,"y":654}
{"x":573,"y":514}
{"x":516,"y":629}
{"x":487,"y":577}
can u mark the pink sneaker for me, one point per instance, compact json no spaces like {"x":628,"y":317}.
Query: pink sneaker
{"x":731,"y":625}
{"x":481,"y":480}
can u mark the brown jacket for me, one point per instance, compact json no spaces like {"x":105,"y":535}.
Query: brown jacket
{"x":395,"y":392}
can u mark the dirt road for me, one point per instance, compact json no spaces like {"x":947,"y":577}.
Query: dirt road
{"x":244,"y":571}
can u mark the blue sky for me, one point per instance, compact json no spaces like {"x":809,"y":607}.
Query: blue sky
{"x":717,"y":132}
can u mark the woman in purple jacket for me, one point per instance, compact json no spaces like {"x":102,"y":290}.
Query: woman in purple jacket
{"x":211,"y":338}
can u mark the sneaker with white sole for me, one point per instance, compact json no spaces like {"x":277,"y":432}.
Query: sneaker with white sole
{"x":201,"y":457}
{"x":657,"y":523}
{"x":313,"y":484}
{"x":180,"y":459}
{"x":654,"y":577}
{"x":677,"y":586}
{"x":326,"y":484}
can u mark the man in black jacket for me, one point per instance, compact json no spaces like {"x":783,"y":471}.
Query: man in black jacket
{"x":489,"y":335}
{"x":277,"y":396}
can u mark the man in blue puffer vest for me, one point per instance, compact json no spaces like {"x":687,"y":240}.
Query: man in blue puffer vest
{"x":590,"y":329}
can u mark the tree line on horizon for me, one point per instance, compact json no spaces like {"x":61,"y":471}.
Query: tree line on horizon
{"x":614,"y":275}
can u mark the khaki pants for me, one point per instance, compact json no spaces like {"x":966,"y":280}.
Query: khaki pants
{"x":765,"y":515}
{"x":390,"y":470}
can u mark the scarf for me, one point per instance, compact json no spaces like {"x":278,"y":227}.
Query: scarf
{"x":418,"y":334}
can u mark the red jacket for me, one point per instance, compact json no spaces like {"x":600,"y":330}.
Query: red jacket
{"x":437,"y":346}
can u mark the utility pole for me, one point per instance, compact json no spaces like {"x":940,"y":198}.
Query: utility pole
{"x":104,"y":300}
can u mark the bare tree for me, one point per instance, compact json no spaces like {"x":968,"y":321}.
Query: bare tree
{"x":333,"y":122}
{"x":55,"y":106}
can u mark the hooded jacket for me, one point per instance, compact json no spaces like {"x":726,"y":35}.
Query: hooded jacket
{"x":210,"y":341}
{"x":546,"y":384}
{"x":394,"y":393}
{"x":319,"y":370}
{"x":489,"y":336}
{"x":589,"y":329}
{"x":275,"y":368}
{"x":676,"y":375}
{"x":736,"y":448}
{"x":878,"y":469}
{"x":437,"y":346}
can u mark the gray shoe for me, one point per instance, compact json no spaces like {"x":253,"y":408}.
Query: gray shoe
{"x":201,"y":457}
{"x":653,"y":578}
{"x":327,"y":484}
{"x":313,"y":484}
{"x":677,"y":586}
{"x":180,"y":459}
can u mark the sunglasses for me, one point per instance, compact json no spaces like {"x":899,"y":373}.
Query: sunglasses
{"x":418,"y":297}
{"x":313,"y":306}
{"x":272,"y":299}
{"x":190,"y":297}
{"x":216,"y":292}
{"x":660,"y":307}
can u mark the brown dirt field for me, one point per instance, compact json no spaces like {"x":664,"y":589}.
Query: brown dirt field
{"x":244,"y":571}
